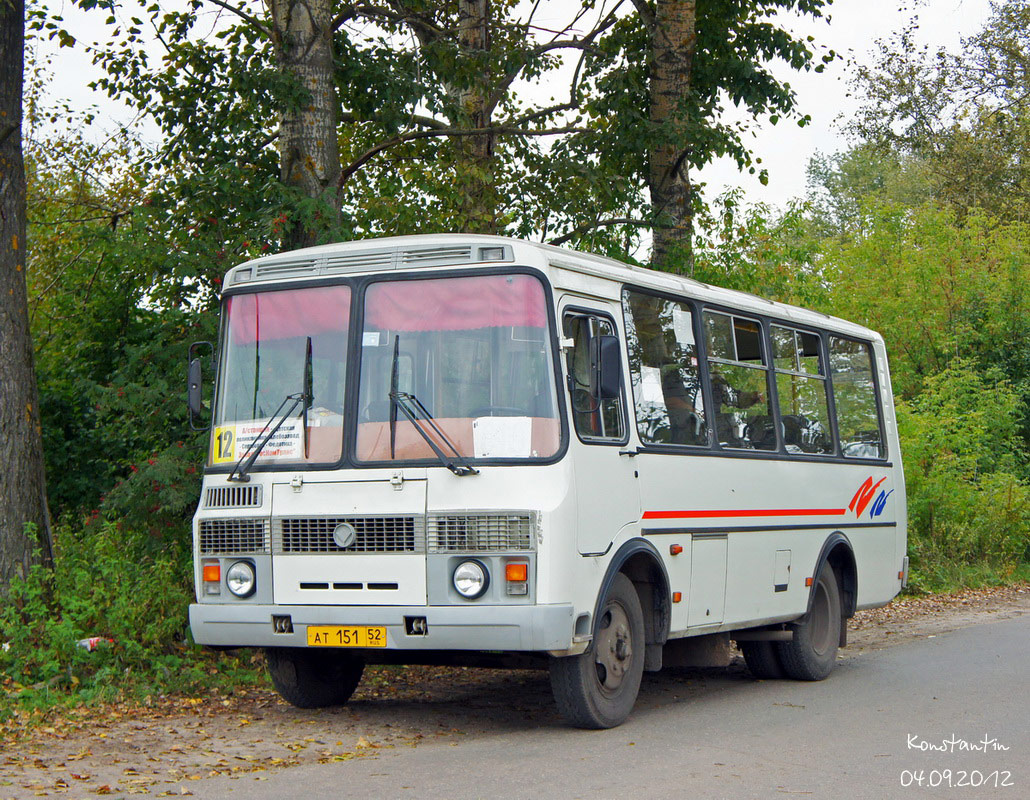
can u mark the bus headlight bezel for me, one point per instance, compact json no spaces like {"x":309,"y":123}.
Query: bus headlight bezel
{"x":241,"y":578}
{"x":473,"y":575}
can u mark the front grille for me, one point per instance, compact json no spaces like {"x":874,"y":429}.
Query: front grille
{"x":486,"y":532}
{"x":232,"y":497}
{"x":232,"y":536}
{"x":373,"y":535}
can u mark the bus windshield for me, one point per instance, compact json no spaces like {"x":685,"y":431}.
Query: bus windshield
{"x":264,"y":354}
{"x":475,"y":352}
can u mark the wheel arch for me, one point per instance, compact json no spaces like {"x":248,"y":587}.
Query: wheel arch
{"x":839,"y":555}
{"x":640,"y":562}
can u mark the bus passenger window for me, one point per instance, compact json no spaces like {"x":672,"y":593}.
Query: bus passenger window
{"x":743,"y":415}
{"x":594,"y":419}
{"x":801,"y":389}
{"x":664,"y":370}
{"x":854,"y":394}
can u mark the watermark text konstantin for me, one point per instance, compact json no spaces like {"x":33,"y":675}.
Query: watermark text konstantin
{"x":953,"y":744}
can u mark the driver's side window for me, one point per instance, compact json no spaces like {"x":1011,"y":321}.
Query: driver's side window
{"x":594,"y":418}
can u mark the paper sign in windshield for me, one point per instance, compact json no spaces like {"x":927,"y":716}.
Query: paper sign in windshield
{"x":232,"y":441}
{"x":502,"y":437}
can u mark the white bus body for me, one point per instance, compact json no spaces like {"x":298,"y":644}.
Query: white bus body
{"x":740,"y":479}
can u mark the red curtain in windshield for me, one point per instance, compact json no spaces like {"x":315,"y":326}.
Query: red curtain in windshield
{"x":481,"y":301}
{"x":288,"y":314}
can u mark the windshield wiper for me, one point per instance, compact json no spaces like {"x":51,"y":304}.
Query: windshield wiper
{"x":239,"y":472}
{"x":411,"y":407}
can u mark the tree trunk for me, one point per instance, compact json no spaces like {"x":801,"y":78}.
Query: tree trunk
{"x":309,"y":150}
{"x":23,"y":485}
{"x":673,"y":43}
{"x":476,"y":179}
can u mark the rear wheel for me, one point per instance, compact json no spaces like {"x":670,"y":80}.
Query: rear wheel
{"x":309,"y":678}
{"x":812,"y":653}
{"x":598,"y":688}
{"x":762,"y":659}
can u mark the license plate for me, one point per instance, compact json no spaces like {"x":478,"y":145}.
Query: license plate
{"x":346,"y":636}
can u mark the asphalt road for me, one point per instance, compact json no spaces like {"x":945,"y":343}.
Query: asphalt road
{"x":874,"y":729}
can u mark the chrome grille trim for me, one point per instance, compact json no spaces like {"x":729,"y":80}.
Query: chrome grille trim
{"x":233,"y":497}
{"x":487,"y":531}
{"x":375,"y":534}
{"x":233,"y":536}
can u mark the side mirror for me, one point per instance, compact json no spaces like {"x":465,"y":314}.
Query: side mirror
{"x":195,"y":386}
{"x":193,"y":394}
{"x":606,"y":366}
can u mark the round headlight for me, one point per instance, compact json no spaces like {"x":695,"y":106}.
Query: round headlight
{"x":240,"y":579}
{"x":471,"y":579}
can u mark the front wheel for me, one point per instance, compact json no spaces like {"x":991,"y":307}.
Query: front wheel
{"x":812,"y":653}
{"x":598,"y":688}
{"x":309,"y":678}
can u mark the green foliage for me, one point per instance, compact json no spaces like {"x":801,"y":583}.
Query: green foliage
{"x":961,"y":120}
{"x":747,"y":249}
{"x":967,"y":504}
{"x":736,"y":42}
{"x":937,"y":287}
{"x":109,"y":583}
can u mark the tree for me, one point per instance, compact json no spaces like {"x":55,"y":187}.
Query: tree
{"x":309,"y":151}
{"x":425,"y":87}
{"x":662,"y":115}
{"x":23,"y":505}
{"x":673,"y":34}
{"x":961,"y":119}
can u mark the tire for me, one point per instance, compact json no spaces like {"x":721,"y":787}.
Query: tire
{"x":313,"y":678}
{"x":598,"y":688}
{"x":812,"y":653}
{"x":762,"y":659}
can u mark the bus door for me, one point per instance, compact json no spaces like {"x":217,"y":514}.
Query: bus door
{"x":607,"y":495}
{"x":677,"y":481}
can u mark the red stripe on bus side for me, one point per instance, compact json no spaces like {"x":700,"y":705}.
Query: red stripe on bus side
{"x":764,"y":512}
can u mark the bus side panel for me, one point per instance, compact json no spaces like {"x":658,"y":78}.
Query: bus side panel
{"x":775,"y":516}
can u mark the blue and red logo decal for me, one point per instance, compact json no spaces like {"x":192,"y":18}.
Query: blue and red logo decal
{"x":864,"y":497}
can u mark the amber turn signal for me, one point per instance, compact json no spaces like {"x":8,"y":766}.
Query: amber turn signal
{"x":516,"y":572}
{"x":212,"y":573}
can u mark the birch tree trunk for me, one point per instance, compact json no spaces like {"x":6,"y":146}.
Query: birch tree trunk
{"x":309,"y":150}
{"x":673,"y":43}
{"x":477,"y":203}
{"x":22,"y":480}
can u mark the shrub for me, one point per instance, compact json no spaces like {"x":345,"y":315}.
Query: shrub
{"x":108,"y":583}
{"x":967,"y":505}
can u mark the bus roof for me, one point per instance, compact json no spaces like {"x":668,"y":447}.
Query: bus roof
{"x":442,"y":250}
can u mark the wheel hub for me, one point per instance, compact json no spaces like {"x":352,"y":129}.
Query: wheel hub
{"x":614,"y":648}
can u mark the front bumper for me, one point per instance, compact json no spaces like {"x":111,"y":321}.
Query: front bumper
{"x":529,"y":628}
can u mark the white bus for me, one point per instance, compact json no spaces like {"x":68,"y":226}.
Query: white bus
{"x":477,"y":450}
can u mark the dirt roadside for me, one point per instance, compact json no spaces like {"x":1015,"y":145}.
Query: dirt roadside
{"x":165,"y":749}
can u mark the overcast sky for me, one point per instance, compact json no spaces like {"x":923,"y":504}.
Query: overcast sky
{"x":785,"y":149}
